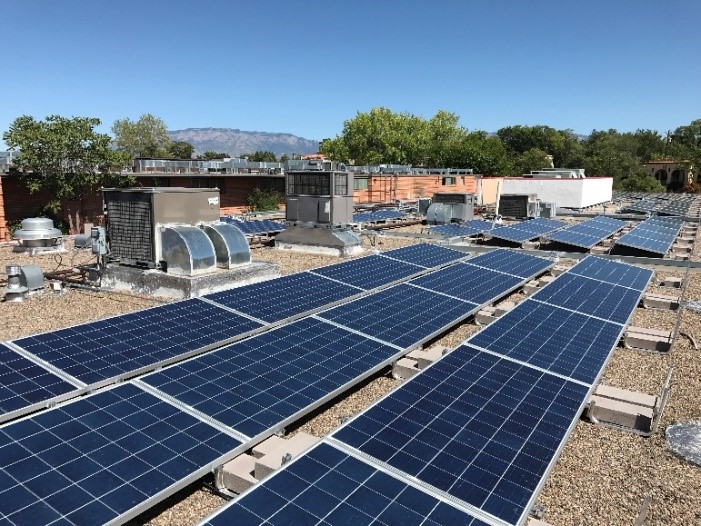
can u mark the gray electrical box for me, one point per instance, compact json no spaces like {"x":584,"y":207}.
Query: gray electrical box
{"x":135,"y":218}
{"x":323,"y":197}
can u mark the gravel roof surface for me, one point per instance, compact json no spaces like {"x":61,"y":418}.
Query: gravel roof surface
{"x":602,"y":476}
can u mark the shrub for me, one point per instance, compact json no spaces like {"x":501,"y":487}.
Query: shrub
{"x":260,"y":200}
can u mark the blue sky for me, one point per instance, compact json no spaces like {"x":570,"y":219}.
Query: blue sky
{"x":306,"y":67}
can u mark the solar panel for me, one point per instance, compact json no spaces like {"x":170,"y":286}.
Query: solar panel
{"x":481,"y":428}
{"x":328,"y":487}
{"x":560,"y":341}
{"x":255,"y":385}
{"x":402,"y":315}
{"x":284,"y":297}
{"x":24,"y":385}
{"x":102,"y":457}
{"x":425,"y":255}
{"x":613,"y":272}
{"x":379,"y":215}
{"x":255,"y":227}
{"x":590,"y":296}
{"x":526,"y":230}
{"x":468,"y":282}
{"x":655,"y":235}
{"x":589,"y":233}
{"x":106,"y":350}
{"x":468,"y":229}
{"x":369,"y":272}
{"x":511,"y":262}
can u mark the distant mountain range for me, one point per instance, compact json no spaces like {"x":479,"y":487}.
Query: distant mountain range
{"x":236,"y":142}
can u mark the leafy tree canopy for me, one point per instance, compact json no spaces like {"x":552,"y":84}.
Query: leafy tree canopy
{"x":210,"y":155}
{"x":638,"y":181}
{"x":146,"y":137}
{"x":181,"y":150}
{"x":533,"y":159}
{"x":64,"y":156}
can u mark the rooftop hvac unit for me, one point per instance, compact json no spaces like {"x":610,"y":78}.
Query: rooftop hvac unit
{"x":321,"y":197}
{"x":156,"y":228}
{"x":448,"y":207}
{"x":518,"y":205}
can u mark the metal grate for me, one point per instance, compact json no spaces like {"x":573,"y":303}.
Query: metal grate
{"x":130,"y":227}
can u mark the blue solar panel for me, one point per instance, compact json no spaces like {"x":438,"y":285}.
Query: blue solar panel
{"x":590,"y":296}
{"x":561,"y":341}
{"x":526,"y":230}
{"x":467,"y":229}
{"x":255,"y":227}
{"x":613,"y":272}
{"x":402,"y":315}
{"x":511,"y":262}
{"x":469,"y":283}
{"x":329,"y":487}
{"x":655,"y":235}
{"x":379,"y":215}
{"x":254,"y":385}
{"x":24,"y":384}
{"x":93,"y":460}
{"x":589,"y":233}
{"x":369,"y":272}
{"x":284,"y":297}
{"x":111,"y":348}
{"x":425,"y":255}
{"x":481,"y":428}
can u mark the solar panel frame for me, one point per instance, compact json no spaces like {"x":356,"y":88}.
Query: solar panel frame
{"x":79,"y":345}
{"x":470,"y":228}
{"x":526,"y":230}
{"x":27,"y":385}
{"x":327,"y":485}
{"x":587,"y":234}
{"x":457,"y":363}
{"x":285,"y":298}
{"x":279,"y":368}
{"x":655,"y":235}
{"x":372,"y":267}
{"x":104,"y":458}
{"x":426,"y":255}
{"x":511,"y":262}
{"x":613,"y":272}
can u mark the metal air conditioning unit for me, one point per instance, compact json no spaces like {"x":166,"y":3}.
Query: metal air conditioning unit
{"x":518,"y":205}
{"x":547,"y":209}
{"x":447,"y":207}
{"x":175,"y":229}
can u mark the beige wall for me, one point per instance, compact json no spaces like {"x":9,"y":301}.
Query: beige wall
{"x":488,"y":189}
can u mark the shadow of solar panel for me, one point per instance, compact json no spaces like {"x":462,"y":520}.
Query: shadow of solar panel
{"x":560,"y":341}
{"x":93,"y":460}
{"x":613,"y":272}
{"x":402,"y":315}
{"x":106,"y":350}
{"x":284,"y":297}
{"x":511,"y":262}
{"x":255,"y":385}
{"x":425,"y":255}
{"x":369,"y":272}
{"x":24,"y":384}
{"x":327,"y":486}
{"x":590,"y":296}
{"x":477,"y":285}
{"x":483,"y":429}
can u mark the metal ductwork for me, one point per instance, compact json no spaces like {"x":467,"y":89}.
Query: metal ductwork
{"x":187,"y":251}
{"x":230,"y":245}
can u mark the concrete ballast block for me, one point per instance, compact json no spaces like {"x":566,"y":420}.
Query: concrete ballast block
{"x":647,"y":339}
{"x":425,"y":357}
{"x":622,"y":414}
{"x":406,"y":368}
{"x":657,"y":301}
{"x":624,"y":395}
{"x":237,"y":474}
{"x":272,"y":443}
{"x":558,"y":269}
{"x":273,"y":459}
{"x":672,"y":282}
{"x":503,"y":308}
{"x":485,"y":316}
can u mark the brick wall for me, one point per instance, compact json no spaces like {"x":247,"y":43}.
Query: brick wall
{"x":385,"y":188}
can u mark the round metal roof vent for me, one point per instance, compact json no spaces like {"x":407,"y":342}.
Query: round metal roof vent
{"x":37,"y":232}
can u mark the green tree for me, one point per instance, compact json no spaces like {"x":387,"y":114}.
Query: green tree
{"x":685,"y":146}
{"x":261,"y":156}
{"x":639,"y":181}
{"x":66,"y":158}
{"x":484,"y":154}
{"x":210,"y":155}
{"x":533,"y":159}
{"x":181,"y":150}
{"x":284,"y":158}
{"x":610,"y":153}
{"x":260,"y":200}
{"x":146,"y":137}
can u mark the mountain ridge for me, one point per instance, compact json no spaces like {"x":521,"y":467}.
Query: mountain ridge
{"x":236,"y":142}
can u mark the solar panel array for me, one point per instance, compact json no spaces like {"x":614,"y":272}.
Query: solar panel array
{"x":109,"y":455}
{"x":589,"y":233}
{"x":377,"y":216}
{"x":471,"y":228}
{"x":526,"y":230}
{"x":255,"y":227}
{"x":654,"y":235}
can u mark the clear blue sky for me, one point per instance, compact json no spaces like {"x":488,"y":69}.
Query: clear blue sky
{"x":306,"y":67}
